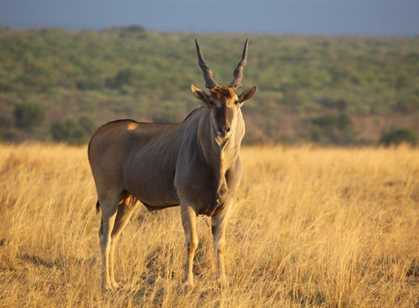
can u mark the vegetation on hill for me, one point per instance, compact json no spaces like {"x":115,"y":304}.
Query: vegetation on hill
{"x":316,"y":89}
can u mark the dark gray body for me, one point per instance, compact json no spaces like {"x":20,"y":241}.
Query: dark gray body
{"x":161,"y":164}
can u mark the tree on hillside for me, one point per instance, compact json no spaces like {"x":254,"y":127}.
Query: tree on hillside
{"x":71,"y":131}
{"x":28,"y":115}
{"x":398,"y":136}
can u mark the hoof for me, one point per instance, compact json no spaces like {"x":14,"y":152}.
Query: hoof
{"x":188,"y":286}
{"x":115,"y":286}
{"x":110,"y":287}
{"x":222,"y":283}
{"x":107,"y":288}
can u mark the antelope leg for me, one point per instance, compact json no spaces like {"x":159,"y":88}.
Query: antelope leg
{"x":191,"y":241}
{"x":218,"y":223}
{"x":125,"y":211}
{"x":106,"y":226}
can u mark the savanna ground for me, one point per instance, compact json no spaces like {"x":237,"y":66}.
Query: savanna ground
{"x":311,"y":227}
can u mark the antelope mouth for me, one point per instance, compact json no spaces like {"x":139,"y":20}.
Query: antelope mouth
{"x":222,"y":139}
{"x":223,"y":134}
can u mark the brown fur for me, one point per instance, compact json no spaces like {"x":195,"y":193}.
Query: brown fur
{"x":194,"y":164}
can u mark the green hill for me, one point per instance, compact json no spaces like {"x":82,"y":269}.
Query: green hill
{"x":59,"y":85}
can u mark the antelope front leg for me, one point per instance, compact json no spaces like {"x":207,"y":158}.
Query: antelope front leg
{"x":191,"y":241}
{"x":218,"y":223}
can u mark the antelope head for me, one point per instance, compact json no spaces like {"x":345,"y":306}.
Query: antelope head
{"x":224,"y":102}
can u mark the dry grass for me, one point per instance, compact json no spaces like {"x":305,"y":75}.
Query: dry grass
{"x":311,"y":227}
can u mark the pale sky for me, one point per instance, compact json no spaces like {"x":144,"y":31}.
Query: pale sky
{"x":365,"y":17}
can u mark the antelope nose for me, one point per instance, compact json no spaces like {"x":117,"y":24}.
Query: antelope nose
{"x":224,"y":131}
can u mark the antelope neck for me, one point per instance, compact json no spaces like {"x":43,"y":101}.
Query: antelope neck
{"x":216,"y":153}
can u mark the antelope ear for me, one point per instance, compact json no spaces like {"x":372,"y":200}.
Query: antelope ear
{"x":200,"y":94}
{"x":248,"y":94}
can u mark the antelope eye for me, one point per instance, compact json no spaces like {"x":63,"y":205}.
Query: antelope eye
{"x":237,"y":102}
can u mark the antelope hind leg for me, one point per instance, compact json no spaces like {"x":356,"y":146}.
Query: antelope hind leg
{"x":108,"y":220}
{"x":123,"y":216}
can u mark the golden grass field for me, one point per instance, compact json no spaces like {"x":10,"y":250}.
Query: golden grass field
{"x":311,"y":227}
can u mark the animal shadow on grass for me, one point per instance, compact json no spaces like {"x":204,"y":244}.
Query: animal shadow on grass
{"x":159,"y":267}
{"x":58,"y":263}
{"x":38,"y":261}
{"x":155,"y":269}
{"x":298,"y":296}
{"x":413,"y":271}
{"x":3,"y":242}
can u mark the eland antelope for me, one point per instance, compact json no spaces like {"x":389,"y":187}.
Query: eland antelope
{"x":194,"y":164}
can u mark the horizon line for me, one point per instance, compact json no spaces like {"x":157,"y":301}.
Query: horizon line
{"x":206,"y":32}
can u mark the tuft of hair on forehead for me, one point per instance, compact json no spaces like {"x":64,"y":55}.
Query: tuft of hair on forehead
{"x":226,"y":92}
